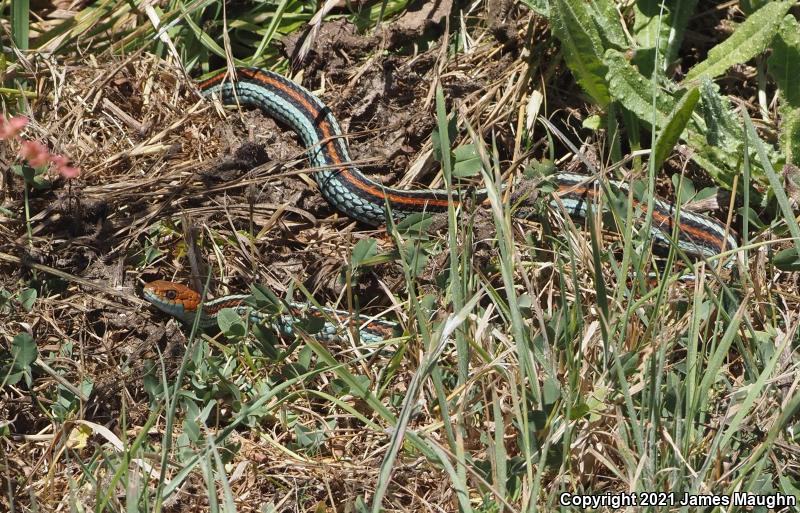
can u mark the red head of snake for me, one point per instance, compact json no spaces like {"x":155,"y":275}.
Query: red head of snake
{"x":174,"y":294}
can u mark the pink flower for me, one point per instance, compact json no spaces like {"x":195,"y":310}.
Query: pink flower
{"x":9,"y":128}
{"x":62,"y":166}
{"x":69,"y":172}
{"x":35,"y":153}
{"x":59,"y":160}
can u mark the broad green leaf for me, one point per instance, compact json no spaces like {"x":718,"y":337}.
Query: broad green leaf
{"x":787,"y":260}
{"x":748,"y":40}
{"x":467,"y":161}
{"x":635,"y":92}
{"x":365,"y":248}
{"x":676,"y":122}
{"x":24,"y":351}
{"x":592,"y":122}
{"x":416,"y":258}
{"x":266,"y":340}
{"x":684,"y":186}
{"x":581,"y":46}
{"x":788,"y":487}
{"x":722,"y":166}
{"x":784,"y":63}
{"x":191,"y":428}
{"x":264,"y":299}
{"x":648,"y":19}
{"x":704,"y":193}
{"x":551,"y":391}
{"x":415,"y":224}
{"x":26,"y":299}
{"x":231,"y":323}
{"x":309,"y":439}
{"x":310,"y":324}
{"x":790,"y":136}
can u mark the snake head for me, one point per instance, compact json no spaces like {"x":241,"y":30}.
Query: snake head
{"x":173,"y":298}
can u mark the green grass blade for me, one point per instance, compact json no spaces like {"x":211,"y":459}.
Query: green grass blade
{"x":20,"y":22}
{"x":754,"y":391}
{"x":430,"y":359}
{"x":229,"y":505}
{"x":715,"y":361}
{"x":774,"y":181}
{"x":274,"y":23}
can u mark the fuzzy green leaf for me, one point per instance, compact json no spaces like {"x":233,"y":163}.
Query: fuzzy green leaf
{"x":748,"y":40}
{"x":722,"y":129}
{"x":784,"y":63}
{"x":677,"y":121}
{"x":631,"y":89}
{"x":607,"y":20}
{"x":582,"y":47}
{"x":635,"y":92}
{"x":540,"y":7}
{"x":790,"y":136}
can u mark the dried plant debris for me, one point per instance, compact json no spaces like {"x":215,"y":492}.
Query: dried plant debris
{"x":560,"y":313}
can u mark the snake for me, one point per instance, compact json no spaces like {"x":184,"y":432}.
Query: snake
{"x":185,"y":303}
{"x":365,"y":200}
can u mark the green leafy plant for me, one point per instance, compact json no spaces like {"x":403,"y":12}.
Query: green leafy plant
{"x":17,"y":363}
{"x":714,"y":134}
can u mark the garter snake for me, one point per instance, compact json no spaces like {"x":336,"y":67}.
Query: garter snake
{"x":357,"y":196}
{"x":182,"y":302}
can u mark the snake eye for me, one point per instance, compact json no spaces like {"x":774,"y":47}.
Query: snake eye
{"x":171,"y":295}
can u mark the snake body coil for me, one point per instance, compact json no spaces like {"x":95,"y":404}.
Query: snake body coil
{"x":357,"y":196}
